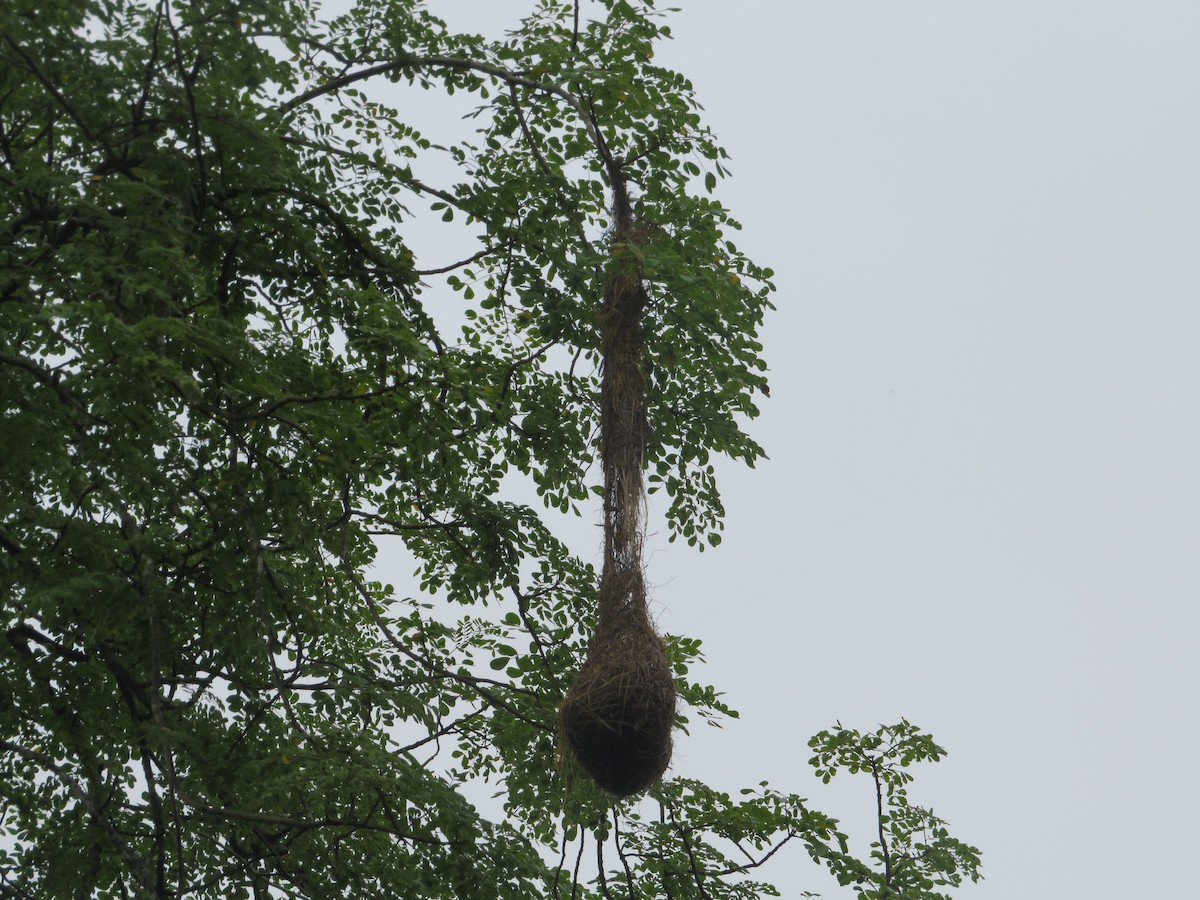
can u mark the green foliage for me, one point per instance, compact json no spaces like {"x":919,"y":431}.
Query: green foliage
{"x":228,"y":388}
{"x":914,"y":856}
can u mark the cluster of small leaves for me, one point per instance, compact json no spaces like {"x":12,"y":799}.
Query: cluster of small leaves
{"x":703,"y":844}
{"x":914,"y":855}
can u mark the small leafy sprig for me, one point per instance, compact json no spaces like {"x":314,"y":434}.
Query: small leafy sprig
{"x":913,"y":856}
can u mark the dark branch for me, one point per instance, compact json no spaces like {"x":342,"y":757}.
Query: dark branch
{"x":449,"y":62}
{"x":143,"y":879}
{"x":486,"y":251}
{"x":47,"y":377}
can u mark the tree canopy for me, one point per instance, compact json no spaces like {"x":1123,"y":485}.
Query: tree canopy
{"x":229,"y":386}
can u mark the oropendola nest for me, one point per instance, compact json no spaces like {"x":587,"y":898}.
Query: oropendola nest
{"x":618,"y":715}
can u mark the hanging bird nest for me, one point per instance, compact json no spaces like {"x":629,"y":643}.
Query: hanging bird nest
{"x":618,"y":715}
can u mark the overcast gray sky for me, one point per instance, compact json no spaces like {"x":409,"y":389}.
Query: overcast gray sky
{"x":981,"y":508}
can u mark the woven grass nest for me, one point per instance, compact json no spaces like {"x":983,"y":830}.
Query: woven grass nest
{"x":618,"y":715}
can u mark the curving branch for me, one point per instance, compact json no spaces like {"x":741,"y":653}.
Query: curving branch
{"x":541,"y":159}
{"x":482,"y":686}
{"x":143,"y":879}
{"x":486,"y":251}
{"x":47,"y":377}
{"x":752,"y":862}
{"x":698,"y":871}
{"x":629,"y":879}
{"x":508,"y":76}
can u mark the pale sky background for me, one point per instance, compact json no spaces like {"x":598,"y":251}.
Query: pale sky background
{"x":981,"y":507}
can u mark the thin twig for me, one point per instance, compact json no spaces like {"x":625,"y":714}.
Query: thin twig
{"x":486,"y":251}
{"x":621,"y":853}
{"x":883,"y":847}
{"x":754,"y":863}
{"x":603,"y":877}
{"x":694,"y":865}
{"x":562,"y":859}
{"x":474,"y":682}
{"x":578,"y":859}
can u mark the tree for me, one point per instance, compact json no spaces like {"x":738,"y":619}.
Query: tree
{"x":226,"y":393}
